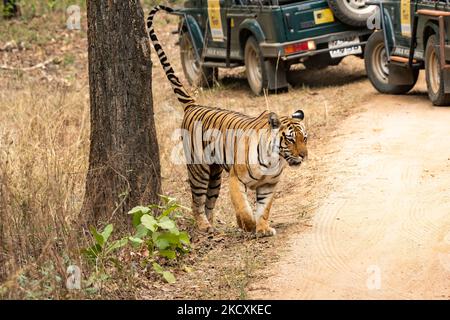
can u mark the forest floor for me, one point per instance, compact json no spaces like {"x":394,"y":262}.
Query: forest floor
{"x":45,"y":134}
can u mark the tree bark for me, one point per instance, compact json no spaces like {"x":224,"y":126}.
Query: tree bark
{"x":124,"y":167}
{"x":10,"y":9}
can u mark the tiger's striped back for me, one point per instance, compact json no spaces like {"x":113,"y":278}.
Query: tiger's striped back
{"x":228,"y":124}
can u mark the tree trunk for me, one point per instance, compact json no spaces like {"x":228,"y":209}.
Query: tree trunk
{"x":10,"y":9}
{"x":124,"y":168}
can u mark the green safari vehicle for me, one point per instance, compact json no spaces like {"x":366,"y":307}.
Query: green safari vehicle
{"x":268,"y":36}
{"x":412,"y":35}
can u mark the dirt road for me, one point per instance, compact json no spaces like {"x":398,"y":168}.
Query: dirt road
{"x":382,"y":230}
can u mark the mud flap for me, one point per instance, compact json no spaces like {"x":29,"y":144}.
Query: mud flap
{"x":400,"y":74}
{"x":445,"y":72}
{"x":276,"y":74}
{"x":446,"y":76}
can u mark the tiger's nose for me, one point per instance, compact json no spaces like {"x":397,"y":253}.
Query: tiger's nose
{"x":304,"y":154}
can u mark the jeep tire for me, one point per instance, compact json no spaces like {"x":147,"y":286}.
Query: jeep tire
{"x":434,"y":74}
{"x":352,"y":12}
{"x":196,"y":74}
{"x":255,"y":70}
{"x":377,"y":68}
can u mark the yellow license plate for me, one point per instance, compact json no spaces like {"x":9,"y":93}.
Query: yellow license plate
{"x":323,"y":16}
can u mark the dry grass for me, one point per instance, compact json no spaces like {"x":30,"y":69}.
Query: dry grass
{"x":44,"y":132}
{"x":43,"y":152}
{"x":44,"y":148}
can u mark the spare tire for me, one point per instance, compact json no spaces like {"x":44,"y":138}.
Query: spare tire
{"x":352,"y":12}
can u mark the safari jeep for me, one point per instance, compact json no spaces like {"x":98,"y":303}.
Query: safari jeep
{"x":268,"y":36}
{"x":413,"y":35}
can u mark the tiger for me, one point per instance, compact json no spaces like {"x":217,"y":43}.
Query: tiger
{"x":275,"y":143}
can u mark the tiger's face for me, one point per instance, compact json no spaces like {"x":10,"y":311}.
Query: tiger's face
{"x":293,"y":139}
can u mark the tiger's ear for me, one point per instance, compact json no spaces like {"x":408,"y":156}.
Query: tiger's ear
{"x":299,"y":114}
{"x":274,"y":122}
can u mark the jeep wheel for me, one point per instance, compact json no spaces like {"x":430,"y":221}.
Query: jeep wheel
{"x":197,"y":75}
{"x":434,"y":75}
{"x":377,"y":68}
{"x":254,"y":67}
{"x":352,"y":12}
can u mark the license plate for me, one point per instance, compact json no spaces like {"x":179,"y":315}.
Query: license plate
{"x":352,"y":43}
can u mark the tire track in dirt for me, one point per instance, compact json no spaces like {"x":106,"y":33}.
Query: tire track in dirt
{"x":387,"y":209}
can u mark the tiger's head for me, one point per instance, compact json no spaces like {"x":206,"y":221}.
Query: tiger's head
{"x":292,"y":137}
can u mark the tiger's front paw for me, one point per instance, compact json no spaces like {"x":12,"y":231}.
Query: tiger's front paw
{"x":204,"y":225}
{"x":268,"y":232}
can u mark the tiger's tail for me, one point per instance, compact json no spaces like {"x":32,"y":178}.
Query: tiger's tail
{"x":183,"y":96}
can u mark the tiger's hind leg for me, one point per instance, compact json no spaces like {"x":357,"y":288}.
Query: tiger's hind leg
{"x":199,"y":180}
{"x":243,"y":210}
{"x":264,"y":200}
{"x":215,"y":181}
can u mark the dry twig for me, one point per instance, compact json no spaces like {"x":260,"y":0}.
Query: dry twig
{"x":37,"y":66}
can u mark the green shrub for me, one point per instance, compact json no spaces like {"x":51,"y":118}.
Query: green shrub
{"x":156,"y":230}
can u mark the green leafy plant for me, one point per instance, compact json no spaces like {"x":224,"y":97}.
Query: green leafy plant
{"x":167,"y":275}
{"x":100,"y":253}
{"x":156,"y":228}
{"x":51,"y":4}
{"x":102,"y":250}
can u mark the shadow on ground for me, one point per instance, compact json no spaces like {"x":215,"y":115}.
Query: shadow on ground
{"x":328,"y":77}
{"x":299,"y":77}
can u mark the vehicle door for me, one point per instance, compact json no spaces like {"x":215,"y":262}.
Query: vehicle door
{"x":215,"y":41}
{"x":399,"y":20}
{"x":257,"y":13}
